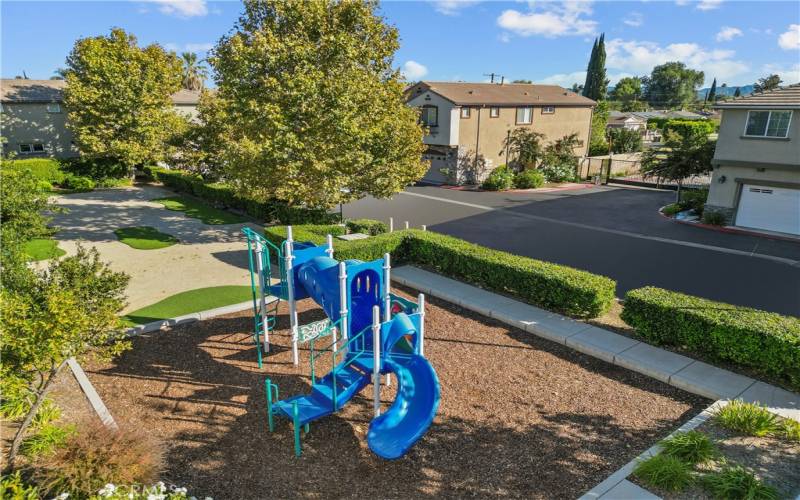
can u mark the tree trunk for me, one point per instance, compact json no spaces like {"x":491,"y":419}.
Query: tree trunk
{"x":678,"y":195}
{"x":26,"y":422}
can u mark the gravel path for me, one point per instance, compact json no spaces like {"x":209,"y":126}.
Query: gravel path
{"x":520,"y":416}
{"x":206,"y":255}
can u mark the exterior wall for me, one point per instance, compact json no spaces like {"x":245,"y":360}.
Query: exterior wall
{"x":446,"y":134}
{"x":29,"y":123}
{"x":188,"y":110}
{"x":732,"y":145}
{"x":493,"y":131}
{"x":726,"y":195}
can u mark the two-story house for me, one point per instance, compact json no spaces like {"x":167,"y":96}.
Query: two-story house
{"x":33,"y":120}
{"x":471,"y":120}
{"x":756,"y":178}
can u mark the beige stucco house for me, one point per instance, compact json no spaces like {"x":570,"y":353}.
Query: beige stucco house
{"x":468,"y":120}
{"x":33,"y":121}
{"x":756,"y":177}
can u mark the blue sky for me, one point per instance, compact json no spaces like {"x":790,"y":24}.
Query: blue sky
{"x":547,"y":42}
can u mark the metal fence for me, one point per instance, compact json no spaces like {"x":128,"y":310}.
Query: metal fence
{"x":627,"y":170}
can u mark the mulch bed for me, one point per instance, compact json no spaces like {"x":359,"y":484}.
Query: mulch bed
{"x":519,"y":416}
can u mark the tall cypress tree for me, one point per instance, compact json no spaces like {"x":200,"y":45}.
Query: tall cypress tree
{"x":738,"y":92}
{"x":588,"y":85}
{"x":712,"y":94}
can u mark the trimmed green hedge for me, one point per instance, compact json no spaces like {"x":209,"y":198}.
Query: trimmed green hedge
{"x":766,"y":342}
{"x":550,"y":286}
{"x":223,"y":196}
{"x":44,"y":169}
{"x":367,"y":226}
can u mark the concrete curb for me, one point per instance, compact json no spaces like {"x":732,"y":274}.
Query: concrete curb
{"x":190,"y":318}
{"x":91,"y":394}
{"x":677,"y":370}
{"x":605,"y":488}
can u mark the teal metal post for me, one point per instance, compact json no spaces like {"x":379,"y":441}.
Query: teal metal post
{"x":296,"y":425}
{"x":268,"y":386}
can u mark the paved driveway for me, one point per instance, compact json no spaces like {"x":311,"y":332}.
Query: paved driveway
{"x":612,"y":231}
{"x":206,"y":255}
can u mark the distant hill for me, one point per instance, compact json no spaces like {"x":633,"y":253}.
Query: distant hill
{"x":725,"y":91}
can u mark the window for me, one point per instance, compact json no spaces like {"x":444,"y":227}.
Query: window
{"x":25,"y":148}
{"x":494,"y":112}
{"x":38,"y":148}
{"x":465,"y":112}
{"x":429,"y":116}
{"x":524,"y":115}
{"x":54,"y":107}
{"x":768,"y":123}
{"x":548,"y":110}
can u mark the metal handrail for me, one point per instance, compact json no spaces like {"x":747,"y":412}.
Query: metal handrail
{"x":316,"y":353}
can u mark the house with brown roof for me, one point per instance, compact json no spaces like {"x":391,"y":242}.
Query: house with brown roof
{"x":466,"y":121}
{"x":756,"y":166}
{"x":33,"y":121}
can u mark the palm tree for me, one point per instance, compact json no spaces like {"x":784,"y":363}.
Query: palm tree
{"x":59,"y":74}
{"x":194,"y":74}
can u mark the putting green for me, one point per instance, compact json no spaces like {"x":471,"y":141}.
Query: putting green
{"x":145,"y":238}
{"x":198,"y":210}
{"x":189,"y":302}
{"x":43,"y":248}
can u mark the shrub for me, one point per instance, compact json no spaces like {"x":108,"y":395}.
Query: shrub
{"x":693,"y":199}
{"x":790,"y":429}
{"x":46,"y":440}
{"x":692,"y":447}
{"x":559,"y":169}
{"x":665,"y":472}
{"x":736,"y":482}
{"x":528,"y":179}
{"x":97,"y":169}
{"x":48,"y":412}
{"x":78,"y":183}
{"x":715,"y":218}
{"x":766,"y":342}
{"x":690,"y":127}
{"x":747,"y":418}
{"x":13,"y":487}
{"x":625,"y":140}
{"x":97,"y":456}
{"x":366,"y":226}
{"x":43,"y":169}
{"x":501,"y":179}
{"x":672,"y":209}
{"x":550,"y":286}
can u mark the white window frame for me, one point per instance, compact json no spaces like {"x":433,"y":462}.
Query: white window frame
{"x":530,"y":115}
{"x":53,"y":107}
{"x":548,"y":110}
{"x":30,"y":149}
{"x":494,"y":112}
{"x":465,"y":113}
{"x":769,"y":117}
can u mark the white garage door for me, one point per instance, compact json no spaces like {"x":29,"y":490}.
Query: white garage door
{"x":770,"y":208}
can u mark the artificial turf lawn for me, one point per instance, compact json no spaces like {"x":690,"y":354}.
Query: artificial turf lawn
{"x":145,"y":238}
{"x":199,"y":210}
{"x":189,"y":302}
{"x":43,"y":248}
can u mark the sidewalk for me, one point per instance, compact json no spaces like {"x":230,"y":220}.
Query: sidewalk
{"x":677,"y":370}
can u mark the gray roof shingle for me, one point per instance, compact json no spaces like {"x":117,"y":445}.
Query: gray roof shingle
{"x":787,"y":97}
{"x":507,"y":94}
{"x":43,"y":91}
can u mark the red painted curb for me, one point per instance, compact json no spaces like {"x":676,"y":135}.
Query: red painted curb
{"x":575,"y":185}
{"x":729,"y":229}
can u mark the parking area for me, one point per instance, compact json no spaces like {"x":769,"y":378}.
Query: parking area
{"x":613,"y":231}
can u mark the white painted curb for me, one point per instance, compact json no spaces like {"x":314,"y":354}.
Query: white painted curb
{"x":91,"y":394}
{"x":191,"y":318}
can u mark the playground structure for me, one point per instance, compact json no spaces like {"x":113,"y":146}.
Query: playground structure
{"x":369,"y":330}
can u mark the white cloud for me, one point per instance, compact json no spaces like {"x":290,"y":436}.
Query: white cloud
{"x":199,"y":47}
{"x":789,"y":74}
{"x":791,"y":39}
{"x":640,"y":58}
{"x":550,"y":19}
{"x":451,"y":7}
{"x":504,"y":37}
{"x":634,"y":19}
{"x":182,"y":8}
{"x":728,"y":33}
{"x":412,"y":70}
{"x":708,"y":4}
{"x":567,"y":79}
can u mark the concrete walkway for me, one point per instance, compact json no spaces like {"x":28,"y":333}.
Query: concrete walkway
{"x":680,"y":371}
{"x":206,"y":255}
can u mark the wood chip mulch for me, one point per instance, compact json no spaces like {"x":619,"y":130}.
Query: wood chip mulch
{"x":519,"y":416}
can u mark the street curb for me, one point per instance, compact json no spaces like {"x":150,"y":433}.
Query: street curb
{"x":623,"y":472}
{"x":188,"y":318}
{"x":91,"y":394}
{"x":729,"y":229}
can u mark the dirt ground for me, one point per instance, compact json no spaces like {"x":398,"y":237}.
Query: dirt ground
{"x":519,"y":416}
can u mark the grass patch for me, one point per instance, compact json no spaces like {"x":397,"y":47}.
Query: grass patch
{"x":198,"y":210}
{"x":692,"y":447}
{"x":189,"y":302}
{"x":665,"y":472}
{"x":47,"y":438}
{"x":748,"y":418}
{"x":790,"y":430}
{"x":736,"y":482}
{"x":145,"y":238}
{"x":42,"y":249}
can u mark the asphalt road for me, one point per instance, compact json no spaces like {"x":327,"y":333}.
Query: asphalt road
{"x":616,"y":232}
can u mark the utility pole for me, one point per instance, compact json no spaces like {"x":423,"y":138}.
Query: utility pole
{"x":492,"y":76}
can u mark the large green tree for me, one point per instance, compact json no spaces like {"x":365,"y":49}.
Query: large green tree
{"x":118,"y":98}
{"x":596,"y":86}
{"x":682,"y":155}
{"x":314,"y":109}
{"x":767,"y":83}
{"x":628,"y":92}
{"x":711,"y":96}
{"x":672,"y":85}
{"x":597,"y":141}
